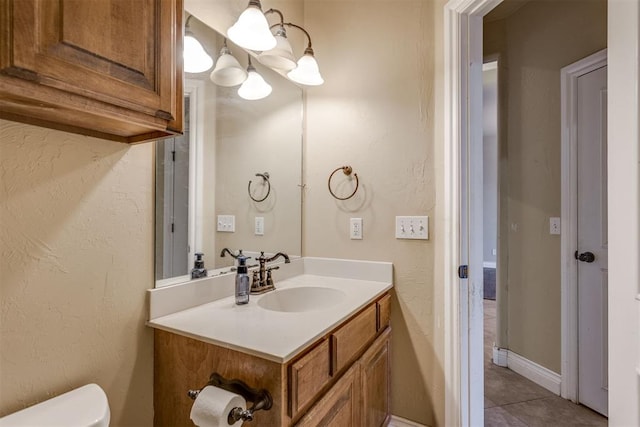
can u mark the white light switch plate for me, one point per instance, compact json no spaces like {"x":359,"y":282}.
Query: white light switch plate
{"x":227,"y":223}
{"x":554,"y":225}
{"x":355,"y":228}
{"x":412,"y":227}
{"x":259,"y":226}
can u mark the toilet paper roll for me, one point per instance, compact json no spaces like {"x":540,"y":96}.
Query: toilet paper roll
{"x":212,"y":406}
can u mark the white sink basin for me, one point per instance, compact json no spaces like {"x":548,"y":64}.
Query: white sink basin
{"x":296,"y":300}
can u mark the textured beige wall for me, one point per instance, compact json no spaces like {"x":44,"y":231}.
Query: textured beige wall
{"x":375,"y":112}
{"x":76,"y":255}
{"x":540,"y":39}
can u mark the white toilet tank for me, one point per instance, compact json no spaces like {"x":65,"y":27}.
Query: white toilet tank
{"x":86,"y":406}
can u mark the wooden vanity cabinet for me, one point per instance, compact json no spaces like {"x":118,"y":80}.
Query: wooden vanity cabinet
{"x":340,"y":406}
{"x":105,"y":68}
{"x":342,"y":380}
{"x":361,"y":396}
{"x":376,"y":386}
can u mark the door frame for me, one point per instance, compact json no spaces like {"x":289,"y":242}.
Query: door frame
{"x":569,"y":219}
{"x":623,"y":132}
{"x":464,"y":403}
{"x":195,"y":90}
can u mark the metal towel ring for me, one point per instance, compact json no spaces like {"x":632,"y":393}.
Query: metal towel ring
{"x":265,"y":177}
{"x":347,"y":170}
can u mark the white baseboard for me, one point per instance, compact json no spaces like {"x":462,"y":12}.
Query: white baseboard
{"x":500,"y":356}
{"x":401,"y":422}
{"x":488,"y":264}
{"x":534,"y":372}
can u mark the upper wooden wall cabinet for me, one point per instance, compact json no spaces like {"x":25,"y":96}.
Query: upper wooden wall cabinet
{"x":105,"y":68}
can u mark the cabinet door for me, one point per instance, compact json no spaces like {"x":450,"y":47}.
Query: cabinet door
{"x":351,"y":339}
{"x":307,"y":376}
{"x":105,"y":68}
{"x":118,"y":51}
{"x":340,"y":407}
{"x":375,"y":369}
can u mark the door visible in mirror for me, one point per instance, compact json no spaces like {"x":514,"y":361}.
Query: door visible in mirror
{"x":172,"y":204}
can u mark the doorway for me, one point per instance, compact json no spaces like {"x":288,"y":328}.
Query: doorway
{"x":463,"y":29}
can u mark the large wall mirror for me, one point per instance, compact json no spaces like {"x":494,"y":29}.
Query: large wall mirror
{"x":202,"y":177}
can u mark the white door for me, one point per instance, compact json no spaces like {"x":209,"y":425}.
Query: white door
{"x":592,"y":240}
{"x":471,"y":235}
{"x":173,"y":158}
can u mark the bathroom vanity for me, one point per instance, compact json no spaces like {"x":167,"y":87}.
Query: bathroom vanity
{"x":319,"y":344}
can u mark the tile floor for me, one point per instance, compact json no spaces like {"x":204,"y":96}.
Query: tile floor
{"x":512,"y":400}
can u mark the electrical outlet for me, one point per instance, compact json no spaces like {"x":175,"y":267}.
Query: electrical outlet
{"x":412,"y":227}
{"x":355,"y":229}
{"x":554,"y":225}
{"x":227,"y":223}
{"x":259,"y":226}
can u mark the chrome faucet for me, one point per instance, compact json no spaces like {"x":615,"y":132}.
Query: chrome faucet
{"x":262,"y":279}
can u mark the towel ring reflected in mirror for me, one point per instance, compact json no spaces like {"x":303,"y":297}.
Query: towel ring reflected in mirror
{"x":347,"y":170}
{"x":265,"y":179}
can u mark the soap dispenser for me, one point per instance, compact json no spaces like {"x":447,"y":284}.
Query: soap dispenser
{"x":198,"y":267}
{"x":242,"y":280}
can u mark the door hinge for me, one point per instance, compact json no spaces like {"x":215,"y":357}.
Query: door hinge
{"x":173,"y":227}
{"x":463,"y":272}
{"x":173,"y":156}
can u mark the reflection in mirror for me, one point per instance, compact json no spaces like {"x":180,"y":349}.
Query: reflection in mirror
{"x":239,"y":160}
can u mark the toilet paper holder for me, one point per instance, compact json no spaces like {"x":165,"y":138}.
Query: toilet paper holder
{"x":260,"y":398}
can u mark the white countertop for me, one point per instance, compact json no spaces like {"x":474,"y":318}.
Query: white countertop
{"x":275,"y":335}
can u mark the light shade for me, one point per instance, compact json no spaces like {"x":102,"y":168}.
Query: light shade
{"x":228,"y":71}
{"x":251,"y":30}
{"x":255,"y":87}
{"x":196,"y":60}
{"x":281,"y":57}
{"x":307,"y":72}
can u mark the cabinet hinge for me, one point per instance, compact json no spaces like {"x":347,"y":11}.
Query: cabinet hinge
{"x":173,"y":156}
{"x":173,"y":227}
{"x":463,"y":272}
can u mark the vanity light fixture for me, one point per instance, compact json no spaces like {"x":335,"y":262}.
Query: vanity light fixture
{"x":254,"y":87}
{"x":228,"y":71}
{"x":307,"y":72}
{"x":196,"y":59}
{"x":280,"y":57}
{"x":251,"y":30}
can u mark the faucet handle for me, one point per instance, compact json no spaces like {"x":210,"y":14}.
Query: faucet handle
{"x":269,"y":278}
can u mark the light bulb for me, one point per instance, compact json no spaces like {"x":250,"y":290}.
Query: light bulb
{"x":251,"y":30}
{"x":227,"y":71}
{"x":255,"y":87}
{"x":196,"y":60}
{"x":280,"y":57}
{"x":307,"y":72}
